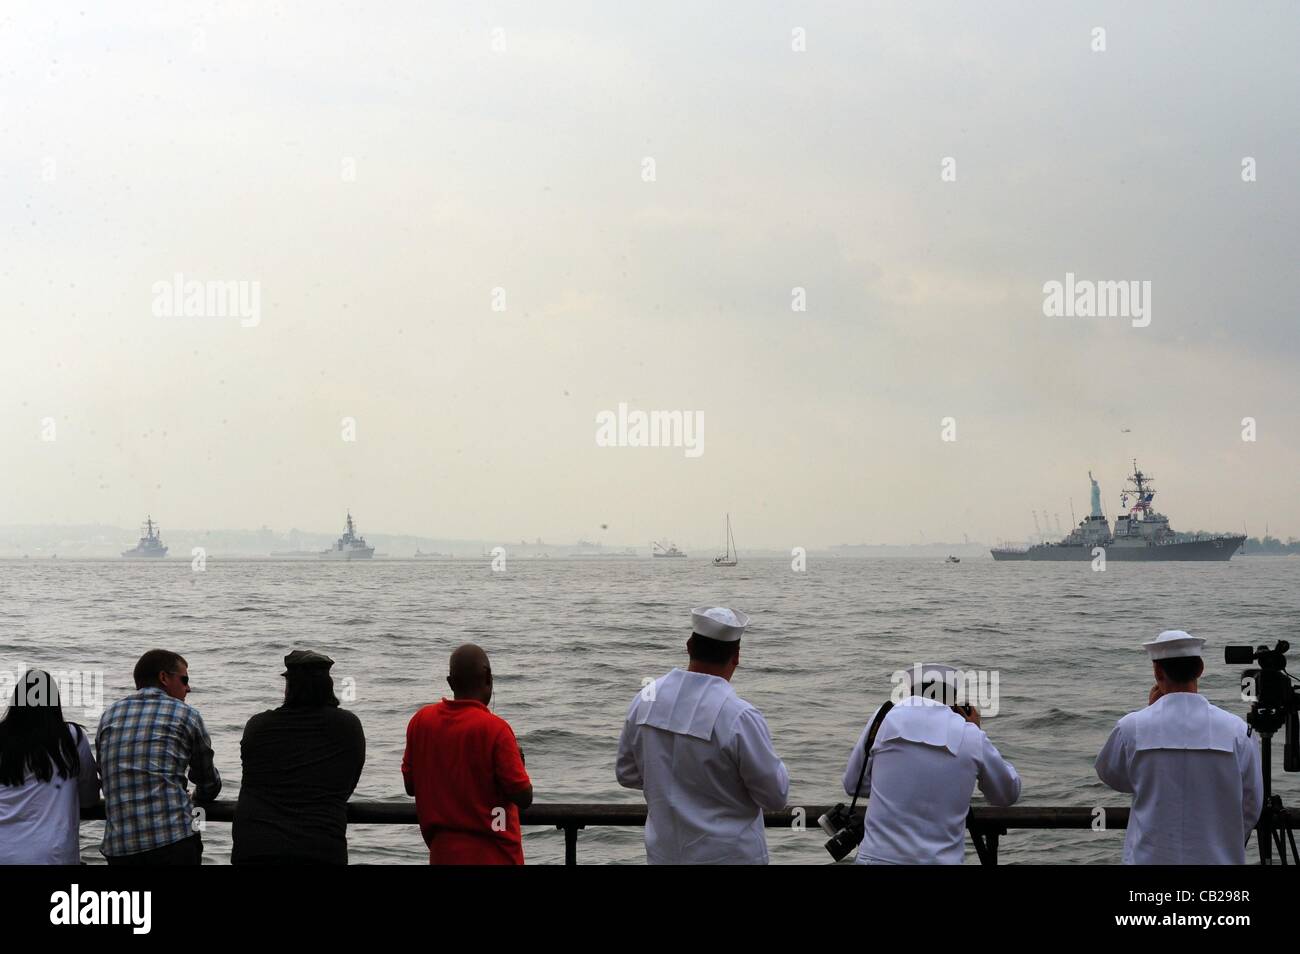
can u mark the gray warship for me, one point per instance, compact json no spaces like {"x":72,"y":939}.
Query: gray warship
{"x":350,"y":546}
{"x":1140,"y":533}
{"x":150,"y":546}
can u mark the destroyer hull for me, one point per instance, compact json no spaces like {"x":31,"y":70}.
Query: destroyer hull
{"x":144,"y":554}
{"x":1219,"y":548}
{"x":360,"y":554}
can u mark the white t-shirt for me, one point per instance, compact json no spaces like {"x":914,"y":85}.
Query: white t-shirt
{"x":40,"y":821}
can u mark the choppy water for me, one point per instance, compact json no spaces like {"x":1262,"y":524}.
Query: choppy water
{"x":571,"y":641}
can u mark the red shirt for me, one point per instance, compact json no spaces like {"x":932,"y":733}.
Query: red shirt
{"x":463,"y":763}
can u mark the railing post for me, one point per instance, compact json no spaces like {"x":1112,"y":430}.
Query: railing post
{"x":993,"y":846}
{"x":570,"y":842}
{"x":985,"y":840}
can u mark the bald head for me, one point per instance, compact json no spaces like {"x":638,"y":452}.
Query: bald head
{"x":469,"y":674}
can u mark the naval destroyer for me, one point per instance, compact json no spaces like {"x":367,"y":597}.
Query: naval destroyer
{"x":350,"y":546}
{"x":1140,"y":533}
{"x":150,"y":546}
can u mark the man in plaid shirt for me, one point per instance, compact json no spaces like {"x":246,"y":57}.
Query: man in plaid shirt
{"x":144,"y":744}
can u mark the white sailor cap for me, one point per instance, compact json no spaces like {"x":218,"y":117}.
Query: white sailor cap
{"x":1173,"y":644}
{"x":718,"y":622}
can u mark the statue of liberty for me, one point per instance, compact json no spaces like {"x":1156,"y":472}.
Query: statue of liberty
{"x":1096,"y":497}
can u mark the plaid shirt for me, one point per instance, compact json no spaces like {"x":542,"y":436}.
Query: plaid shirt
{"x":144,"y":744}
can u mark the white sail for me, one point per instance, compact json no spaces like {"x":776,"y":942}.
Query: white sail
{"x":730,"y":558}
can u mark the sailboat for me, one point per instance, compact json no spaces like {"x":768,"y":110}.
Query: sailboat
{"x":731,"y":557}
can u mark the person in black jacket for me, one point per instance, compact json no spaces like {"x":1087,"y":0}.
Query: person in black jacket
{"x":302,"y":762}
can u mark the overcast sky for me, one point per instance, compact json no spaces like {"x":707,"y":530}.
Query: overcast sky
{"x":379,"y":169}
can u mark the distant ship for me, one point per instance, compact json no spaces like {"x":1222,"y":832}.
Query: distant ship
{"x":350,"y":546}
{"x":1140,"y":534}
{"x":953,"y":559}
{"x":585,"y":549}
{"x":670,"y":550}
{"x":731,"y":557}
{"x":150,"y":546}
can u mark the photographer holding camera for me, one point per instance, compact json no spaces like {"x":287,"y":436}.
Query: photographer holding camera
{"x":1193,"y":769}
{"x":920,"y":759}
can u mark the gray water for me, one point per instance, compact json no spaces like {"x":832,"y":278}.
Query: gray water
{"x":571,"y":641}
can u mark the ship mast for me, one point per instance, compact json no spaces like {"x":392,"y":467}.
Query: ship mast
{"x":1145,"y":492}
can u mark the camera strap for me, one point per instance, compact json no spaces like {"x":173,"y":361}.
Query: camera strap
{"x":866,"y":752}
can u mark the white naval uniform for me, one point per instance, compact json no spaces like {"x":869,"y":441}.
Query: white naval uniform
{"x":1195,"y":778}
{"x":924,"y":766}
{"x":704,"y":758}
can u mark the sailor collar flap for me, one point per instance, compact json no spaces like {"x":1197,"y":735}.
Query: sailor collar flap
{"x":1183,"y":720}
{"x":925,"y":721}
{"x":686,"y":703}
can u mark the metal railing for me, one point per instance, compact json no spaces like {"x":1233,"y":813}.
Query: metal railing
{"x":986,"y":825}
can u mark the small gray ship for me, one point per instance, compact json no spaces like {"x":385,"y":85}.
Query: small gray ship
{"x":350,"y":546}
{"x":150,"y":546}
{"x":1140,"y":533}
{"x":667,"y":550}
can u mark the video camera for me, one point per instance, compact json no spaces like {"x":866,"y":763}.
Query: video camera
{"x":1274,"y":701}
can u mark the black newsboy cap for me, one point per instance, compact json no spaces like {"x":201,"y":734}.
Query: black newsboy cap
{"x":306,"y":659}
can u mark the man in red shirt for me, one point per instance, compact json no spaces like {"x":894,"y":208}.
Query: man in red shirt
{"x":464,"y":768}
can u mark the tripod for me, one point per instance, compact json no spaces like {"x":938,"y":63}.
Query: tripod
{"x":1271,"y":827}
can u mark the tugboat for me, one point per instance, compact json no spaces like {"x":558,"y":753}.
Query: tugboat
{"x":150,"y":546}
{"x":1140,"y":534}
{"x":350,"y":546}
{"x":660,"y":550}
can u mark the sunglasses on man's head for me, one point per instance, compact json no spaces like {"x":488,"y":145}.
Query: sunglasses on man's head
{"x":184,"y":679}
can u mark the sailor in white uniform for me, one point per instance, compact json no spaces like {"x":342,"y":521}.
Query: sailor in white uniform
{"x":923,"y":768}
{"x":1193,"y":768}
{"x":702,"y":755}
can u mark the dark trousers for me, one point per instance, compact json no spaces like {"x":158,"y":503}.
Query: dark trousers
{"x":187,"y":851}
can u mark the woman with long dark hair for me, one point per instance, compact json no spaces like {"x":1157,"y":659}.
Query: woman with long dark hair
{"x":47,"y":772}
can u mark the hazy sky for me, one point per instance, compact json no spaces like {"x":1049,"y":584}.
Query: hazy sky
{"x":378,"y":169}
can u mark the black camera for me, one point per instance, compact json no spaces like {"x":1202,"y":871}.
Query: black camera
{"x":846,"y":829}
{"x":1269,"y":689}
